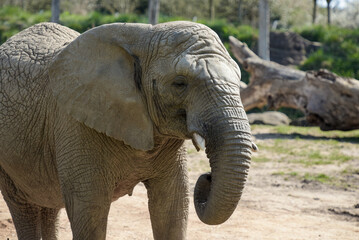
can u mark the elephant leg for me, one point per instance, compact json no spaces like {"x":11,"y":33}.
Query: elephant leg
{"x":26,"y":218}
{"x":168,"y":202}
{"x":49,"y":223}
{"x":87,"y":197}
{"x":88,"y":216}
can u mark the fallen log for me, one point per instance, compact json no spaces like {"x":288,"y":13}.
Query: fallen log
{"x":327,"y":100}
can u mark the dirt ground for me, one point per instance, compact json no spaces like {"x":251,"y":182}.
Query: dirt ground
{"x":272,"y":207}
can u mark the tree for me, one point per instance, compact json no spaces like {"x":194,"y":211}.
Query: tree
{"x":153,"y":11}
{"x":347,"y":17}
{"x":211,"y":9}
{"x":55,"y":11}
{"x":264,"y":21}
{"x":328,"y":11}
{"x":239,"y":11}
{"x":314,"y":11}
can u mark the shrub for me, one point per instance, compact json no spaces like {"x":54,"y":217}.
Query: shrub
{"x":224,"y":29}
{"x":340,"y":51}
{"x":13,"y":20}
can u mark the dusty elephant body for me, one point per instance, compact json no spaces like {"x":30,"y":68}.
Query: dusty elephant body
{"x":84,"y":118}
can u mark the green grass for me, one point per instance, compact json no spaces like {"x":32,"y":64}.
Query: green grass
{"x":281,"y":173}
{"x":309,"y":157}
{"x":191,"y":151}
{"x":278,"y":147}
{"x":305,"y":154}
{"x":296,"y":151}
{"x":311,"y":177}
{"x":351,"y":171}
{"x":293,"y":174}
{"x":322,"y":178}
{"x":260,"y":159}
{"x":339,"y":157}
{"x":311,"y":131}
{"x":336,"y":181}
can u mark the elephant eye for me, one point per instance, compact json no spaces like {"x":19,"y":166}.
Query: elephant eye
{"x":179,"y":83}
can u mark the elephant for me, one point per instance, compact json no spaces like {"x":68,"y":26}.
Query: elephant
{"x":86,"y":117}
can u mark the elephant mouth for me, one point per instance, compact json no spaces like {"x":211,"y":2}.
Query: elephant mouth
{"x":198,"y":141}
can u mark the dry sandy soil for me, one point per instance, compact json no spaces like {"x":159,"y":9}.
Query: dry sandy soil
{"x":272,"y":206}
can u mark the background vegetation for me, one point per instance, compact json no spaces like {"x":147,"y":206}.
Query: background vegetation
{"x":340,"y":51}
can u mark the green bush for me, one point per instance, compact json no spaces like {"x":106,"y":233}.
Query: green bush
{"x":313,"y":33}
{"x":13,"y":20}
{"x":81,"y":23}
{"x":340,"y":51}
{"x":224,"y":29}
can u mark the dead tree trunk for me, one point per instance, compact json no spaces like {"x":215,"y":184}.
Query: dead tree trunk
{"x":327,"y":100}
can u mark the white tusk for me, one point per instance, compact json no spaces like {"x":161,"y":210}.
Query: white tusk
{"x":254,"y":147}
{"x":199,"y":141}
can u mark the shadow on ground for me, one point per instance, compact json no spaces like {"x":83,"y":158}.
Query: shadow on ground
{"x":264,"y":136}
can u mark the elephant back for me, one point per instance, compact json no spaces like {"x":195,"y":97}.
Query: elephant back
{"x":26,"y":54}
{"x":24,"y":61}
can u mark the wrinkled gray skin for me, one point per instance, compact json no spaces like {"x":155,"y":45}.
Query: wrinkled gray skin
{"x":83,"y":119}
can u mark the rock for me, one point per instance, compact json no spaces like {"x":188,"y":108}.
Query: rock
{"x":289,"y":48}
{"x":269,"y":118}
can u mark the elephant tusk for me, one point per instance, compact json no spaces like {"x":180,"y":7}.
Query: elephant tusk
{"x":199,"y":142}
{"x":254,"y":147}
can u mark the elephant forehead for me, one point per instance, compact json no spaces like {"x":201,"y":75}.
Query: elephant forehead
{"x":183,"y":34}
{"x":194,"y":39}
{"x":224,"y":70}
{"x":214,"y":68}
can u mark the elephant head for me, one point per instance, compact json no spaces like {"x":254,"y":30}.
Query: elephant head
{"x":136,"y":81}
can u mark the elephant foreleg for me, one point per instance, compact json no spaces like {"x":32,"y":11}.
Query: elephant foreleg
{"x":32,"y":222}
{"x":88,"y":218}
{"x":87,"y":198}
{"x":49,"y":223}
{"x":168,"y":202}
{"x":26,"y":218}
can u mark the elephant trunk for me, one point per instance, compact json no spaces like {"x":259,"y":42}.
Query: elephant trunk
{"x":228,"y":148}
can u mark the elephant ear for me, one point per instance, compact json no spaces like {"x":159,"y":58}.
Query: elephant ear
{"x":94,"y":80}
